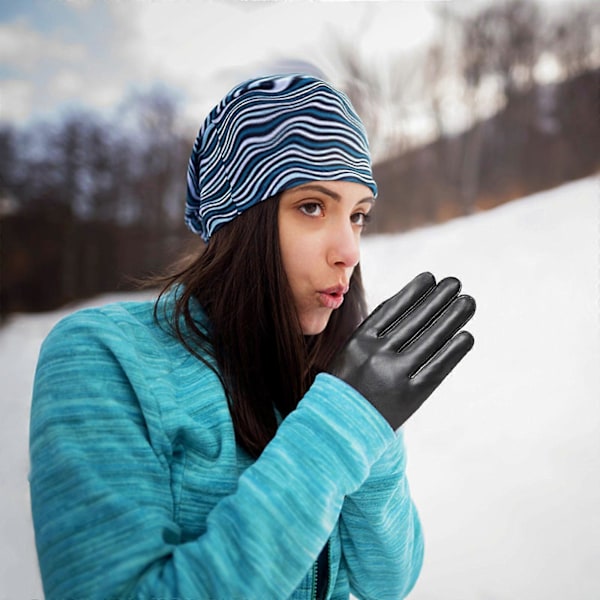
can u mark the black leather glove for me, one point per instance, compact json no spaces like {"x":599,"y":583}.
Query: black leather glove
{"x":405,"y":348}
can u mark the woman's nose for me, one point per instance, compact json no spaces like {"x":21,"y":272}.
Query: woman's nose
{"x":344,"y":247}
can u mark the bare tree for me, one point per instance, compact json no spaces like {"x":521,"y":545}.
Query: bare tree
{"x":574,"y":39}
{"x":159,"y":161}
{"x":502,"y":42}
{"x":379,"y":90}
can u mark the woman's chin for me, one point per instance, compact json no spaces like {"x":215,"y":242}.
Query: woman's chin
{"x":314,"y":324}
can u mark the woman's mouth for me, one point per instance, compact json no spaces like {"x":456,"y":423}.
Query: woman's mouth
{"x":332,"y":297}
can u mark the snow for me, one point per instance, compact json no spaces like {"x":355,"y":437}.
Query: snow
{"x":503,"y":458}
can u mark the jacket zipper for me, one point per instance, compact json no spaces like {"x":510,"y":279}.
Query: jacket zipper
{"x":324,"y":560}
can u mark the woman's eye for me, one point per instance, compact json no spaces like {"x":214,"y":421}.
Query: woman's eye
{"x":312,"y":209}
{"x":360,"y":219}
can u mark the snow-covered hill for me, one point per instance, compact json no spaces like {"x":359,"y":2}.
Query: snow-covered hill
{"x":503,"y":459}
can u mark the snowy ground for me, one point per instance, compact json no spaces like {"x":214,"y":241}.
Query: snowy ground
{"x":503,"y":459}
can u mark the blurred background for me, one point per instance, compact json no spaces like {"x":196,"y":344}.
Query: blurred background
{"x":468,"y":105}
{"x":484,"y":125}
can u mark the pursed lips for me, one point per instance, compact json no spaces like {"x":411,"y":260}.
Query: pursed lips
{"x":333,"y":297}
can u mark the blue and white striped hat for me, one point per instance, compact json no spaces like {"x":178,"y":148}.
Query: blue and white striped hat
{"x":267,"y":135}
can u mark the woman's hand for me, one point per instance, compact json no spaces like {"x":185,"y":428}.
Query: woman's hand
{"x":406,"y":347}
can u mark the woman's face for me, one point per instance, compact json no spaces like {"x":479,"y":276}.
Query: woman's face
{"x":320,"y":224}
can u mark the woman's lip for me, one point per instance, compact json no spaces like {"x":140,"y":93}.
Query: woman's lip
{"x":335,"y":290}
{"x":333,"y":297}
{"x":331,"y":300}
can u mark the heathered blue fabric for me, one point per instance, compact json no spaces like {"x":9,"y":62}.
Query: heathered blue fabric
{"x":139,"y":489}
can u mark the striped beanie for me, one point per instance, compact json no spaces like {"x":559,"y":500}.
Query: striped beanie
{"x":267,"y":135}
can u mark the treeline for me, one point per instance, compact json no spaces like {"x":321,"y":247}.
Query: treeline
{"x":493,"y":127}
{"x":87,"y":203}
{"x":540,"y":139}
{"x":477,"y":64}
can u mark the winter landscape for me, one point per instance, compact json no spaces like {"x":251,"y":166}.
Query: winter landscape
{"x":503,"y":459}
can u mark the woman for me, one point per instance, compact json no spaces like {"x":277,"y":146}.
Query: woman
{"x":236,"y":439}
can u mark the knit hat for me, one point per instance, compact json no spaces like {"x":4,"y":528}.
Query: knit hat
{"x":267,"y":135}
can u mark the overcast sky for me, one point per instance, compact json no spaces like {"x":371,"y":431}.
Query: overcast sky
{"x":56,"y":54}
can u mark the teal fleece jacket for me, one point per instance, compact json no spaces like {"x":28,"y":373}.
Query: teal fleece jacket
{"x":139,"y":489}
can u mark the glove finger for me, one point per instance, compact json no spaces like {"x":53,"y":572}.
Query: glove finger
{"x":437,"y":369}
{"x":411,"y":324}
{"x":430,"y":340}
{"x":393,"y":308}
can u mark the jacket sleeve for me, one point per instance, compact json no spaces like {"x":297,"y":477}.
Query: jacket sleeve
{"x":382,"y":541}
{"x":101,"y":493}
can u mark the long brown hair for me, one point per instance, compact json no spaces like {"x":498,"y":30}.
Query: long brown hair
{"x":263,"y":359}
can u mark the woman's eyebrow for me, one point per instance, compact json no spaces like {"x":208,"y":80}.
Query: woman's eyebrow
{"x":315,"y":187}
{"x":368,"y":199}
